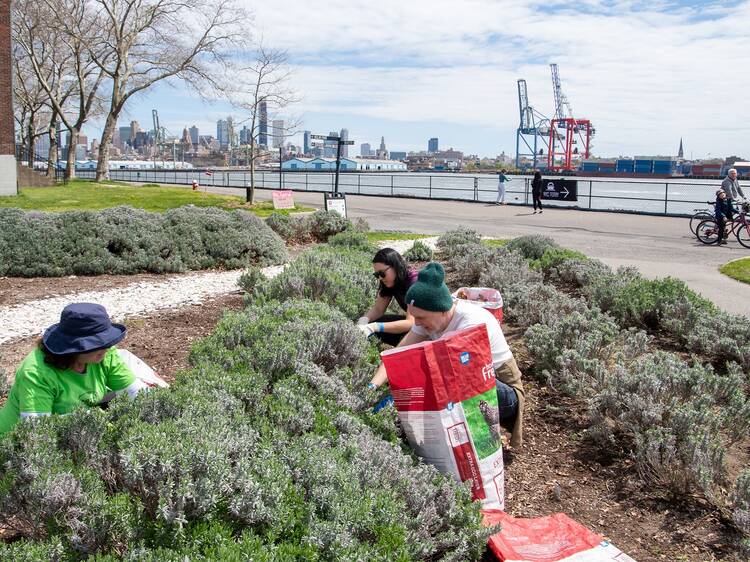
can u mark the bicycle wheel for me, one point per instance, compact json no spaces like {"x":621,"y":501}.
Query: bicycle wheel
{"x":708,"y":232}
{"x":743,"y":235}
{"x":698,"y":218}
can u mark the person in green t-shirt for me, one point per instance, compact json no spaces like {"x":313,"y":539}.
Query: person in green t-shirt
{"x":75,"y":363}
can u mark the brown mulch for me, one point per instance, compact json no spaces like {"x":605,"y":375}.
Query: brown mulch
{"x":162,"y":339}
{"x":559,"y":470}
{"x":15,"y":290}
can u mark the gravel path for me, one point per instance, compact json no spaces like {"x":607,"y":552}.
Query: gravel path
{"x":33,"y":317}
{"x":402,"y":245}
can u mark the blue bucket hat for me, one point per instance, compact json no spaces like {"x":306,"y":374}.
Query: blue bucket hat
{"x":83,"y":327}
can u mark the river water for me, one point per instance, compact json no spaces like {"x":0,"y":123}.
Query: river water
{"x":672,"y":196}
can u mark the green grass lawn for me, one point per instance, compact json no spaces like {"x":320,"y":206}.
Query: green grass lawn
{"x":737,"y":269}
{"x":380,"y":235}
{"x":495,"y":242}
{"x":87,"y":195}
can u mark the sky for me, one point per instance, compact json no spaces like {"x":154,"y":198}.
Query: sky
{"x":645,"y":73}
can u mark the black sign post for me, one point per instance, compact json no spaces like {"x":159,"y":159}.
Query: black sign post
{"x":560,"y":189}
{"x":338,"y":142}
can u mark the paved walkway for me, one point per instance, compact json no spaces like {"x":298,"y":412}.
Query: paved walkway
{"x":657,"y":246}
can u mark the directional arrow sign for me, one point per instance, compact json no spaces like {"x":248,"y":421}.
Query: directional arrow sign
{"x":560,"y":189}
{"x":320,"y":137}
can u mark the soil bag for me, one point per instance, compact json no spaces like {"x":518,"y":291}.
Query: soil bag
{"x":555,"y":538}
{"x":445,"y":395}
{"x":484,"y":297}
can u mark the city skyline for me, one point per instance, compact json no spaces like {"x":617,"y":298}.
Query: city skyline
{"x":646,"y":75}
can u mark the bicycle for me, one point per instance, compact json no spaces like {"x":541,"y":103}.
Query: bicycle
{"x":708,"y":230}
{"x":700,"y":216}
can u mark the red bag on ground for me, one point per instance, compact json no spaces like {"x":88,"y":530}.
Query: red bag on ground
{"x":554,"y":538}
{"x":446,"y":398}
{"x":484,"y":297}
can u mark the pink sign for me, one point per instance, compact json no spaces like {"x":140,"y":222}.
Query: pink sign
{"x":283,"y":199}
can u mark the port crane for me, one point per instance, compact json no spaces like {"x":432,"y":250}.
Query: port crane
{"x":533,"y":130}
{"x":569,"y":138}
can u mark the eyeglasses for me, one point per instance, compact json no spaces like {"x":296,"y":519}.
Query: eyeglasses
{"x":381,"y":273}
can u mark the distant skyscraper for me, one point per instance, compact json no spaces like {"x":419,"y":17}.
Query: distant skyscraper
{"x":382,"y":152}
{"x":186,"y":136}
{"x":330,"y":146}
{"x":278,"y":132}
{"x":232,"y":134}
{"x":135,"y":128}
{"x":222,"y":133}
{"x":432,"y":145}
{"x":263,"y":124}
{"x":245,"y":135}
{"x":125,"y":136}
{"x":344,"y":147}
{"x":306,"y":142}
{"x":365,"y":149}
{"x":194,"y":135}
{"x":680,"y":153}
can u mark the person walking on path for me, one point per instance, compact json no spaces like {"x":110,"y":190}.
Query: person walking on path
{"x":723,"y":211}
{"x":731,"y":187}
{"x":536,"y":190}
{"x":501,"y":179}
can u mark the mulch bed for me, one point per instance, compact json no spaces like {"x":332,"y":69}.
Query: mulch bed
{"x":558,"y":470}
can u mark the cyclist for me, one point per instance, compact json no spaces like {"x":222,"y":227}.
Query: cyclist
{"x":723,"y":211}
{"x":731,"y":186}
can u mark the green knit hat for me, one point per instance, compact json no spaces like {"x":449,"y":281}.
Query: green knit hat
{"x":430,"y":292}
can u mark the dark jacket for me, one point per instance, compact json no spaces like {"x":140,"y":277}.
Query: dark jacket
{"x":722,"y":208}
{"x":536,"y":186}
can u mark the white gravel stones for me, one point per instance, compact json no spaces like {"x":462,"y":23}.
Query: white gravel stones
{"x":33,"y":317}
{"x":402,"y":245}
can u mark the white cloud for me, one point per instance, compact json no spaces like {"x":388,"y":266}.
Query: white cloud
{"x":645,"y":76}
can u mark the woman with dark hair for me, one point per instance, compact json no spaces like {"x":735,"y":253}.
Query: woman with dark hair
{"x":395,"y":278}
{"x":536,"y":190}
{"x":75,"y":363}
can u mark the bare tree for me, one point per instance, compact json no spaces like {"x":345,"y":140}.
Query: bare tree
{"x":30,"y":103}
{"x":55,"y":36}
{"x":255,"y":87}
{"x":150,"y":41}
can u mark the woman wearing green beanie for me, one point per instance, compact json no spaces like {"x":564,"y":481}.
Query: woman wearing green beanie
{"x":435,"y":313}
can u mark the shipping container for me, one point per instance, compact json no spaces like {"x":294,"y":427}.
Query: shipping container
{"x":625,"y":165}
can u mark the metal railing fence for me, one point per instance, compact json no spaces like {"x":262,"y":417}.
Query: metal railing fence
{"x":672,"y":197}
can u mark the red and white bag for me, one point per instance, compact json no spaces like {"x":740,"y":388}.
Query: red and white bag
{"x":446,"y":398}
{"x":555,"y":538}
{"x":484,"y":297}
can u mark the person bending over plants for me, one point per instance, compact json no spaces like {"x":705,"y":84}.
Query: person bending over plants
{"x":395,"y":278}
{"x":75,"y":363}
{"x":435,"y":313}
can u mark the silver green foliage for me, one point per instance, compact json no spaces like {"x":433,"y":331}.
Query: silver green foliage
{"x":419,"y":251}
{"x":337,"y":276}
{"x":124,"y":240}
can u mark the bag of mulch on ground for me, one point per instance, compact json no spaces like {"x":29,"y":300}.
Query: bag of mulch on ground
{"x":445,"y":394}
{"x":555,"y":538}
{"x":484,"y":297}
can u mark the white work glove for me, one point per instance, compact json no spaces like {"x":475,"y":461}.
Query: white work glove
{"x":368,"y":329}
{"x":363,"y":320}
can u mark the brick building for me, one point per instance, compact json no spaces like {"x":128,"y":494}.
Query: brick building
{"x":8,"y":181}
